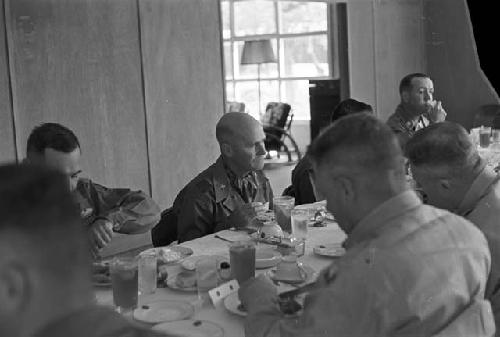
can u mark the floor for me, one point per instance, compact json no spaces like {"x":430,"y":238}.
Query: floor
{"x":279,"y":173}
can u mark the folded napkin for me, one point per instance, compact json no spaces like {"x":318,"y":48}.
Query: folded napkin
{"x":232,"y":236}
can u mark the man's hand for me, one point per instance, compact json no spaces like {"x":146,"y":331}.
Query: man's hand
{"x":436,"y":113}
{"x":257,"y":289}
{"x":100,"y":234}
{"x":245,"y":215}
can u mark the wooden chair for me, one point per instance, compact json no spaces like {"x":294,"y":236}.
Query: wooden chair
{"x":277,"y":122}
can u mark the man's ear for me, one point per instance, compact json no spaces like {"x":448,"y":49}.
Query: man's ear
{"x":14,"y":289}
{"x":346,"y":188}
{"x":405,"y":96}
{"x":226,"y":149}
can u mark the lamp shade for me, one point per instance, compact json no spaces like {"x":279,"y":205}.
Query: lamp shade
{"x":257,"y":51}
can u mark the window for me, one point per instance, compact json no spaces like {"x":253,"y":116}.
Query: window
{"x":298,"y":32}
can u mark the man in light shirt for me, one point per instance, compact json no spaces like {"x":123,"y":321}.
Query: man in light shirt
{"x":447,"y":166}
{"x":410,"y":269}
{"x":417,"y":109}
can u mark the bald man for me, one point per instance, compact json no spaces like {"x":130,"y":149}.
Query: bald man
{"x":230,"y":193}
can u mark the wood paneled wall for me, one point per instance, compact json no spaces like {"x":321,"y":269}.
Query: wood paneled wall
{"x":181,"y":126}
{"x":453,"y":61}
{"x":78,"y":63}
{"x":139,"y":81}
{"x":7,"y":146}
{"x":386,"y":42}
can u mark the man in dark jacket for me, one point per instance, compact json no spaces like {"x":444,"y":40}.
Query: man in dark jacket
{"x":230,"y":193}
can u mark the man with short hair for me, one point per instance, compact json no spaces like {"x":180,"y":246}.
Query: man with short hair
{"x":105,"y":210}
{"x":45,"y":286}
{"x":409,"y":270}
{"x":417,"y":109}
{"x":230,"y":193}
{"x":302,"y":189}
{"x":447,"y":166}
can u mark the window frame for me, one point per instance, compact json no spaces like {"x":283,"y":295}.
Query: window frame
{"x":234,"y":40}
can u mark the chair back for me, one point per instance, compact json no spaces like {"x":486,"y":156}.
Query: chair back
{"x":277,"y":114}
{"x":235,"y":107}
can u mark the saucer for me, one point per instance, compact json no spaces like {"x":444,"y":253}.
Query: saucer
{"x":233,"y":304}
{"x":307,"y":275}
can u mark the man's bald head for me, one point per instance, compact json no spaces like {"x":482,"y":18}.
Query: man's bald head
{"x":235,"y":125}
{"x":241,"y":140}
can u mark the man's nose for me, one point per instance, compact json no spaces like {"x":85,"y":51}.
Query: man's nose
{"x":428,"y":96}
{"x":261,"y":149}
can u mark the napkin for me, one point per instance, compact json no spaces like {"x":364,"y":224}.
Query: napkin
{"x":232,"y":236}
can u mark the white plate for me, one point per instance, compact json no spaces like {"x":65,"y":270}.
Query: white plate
{"x":308,"y":275}
{"x":170,"y":254}
{"x":330,"y":250}
{"x":266,"y":258}
{"x":190,"y":328}
{"x":232,"y":304}
{"x":163,"y":311}
{"x":189,"y":263}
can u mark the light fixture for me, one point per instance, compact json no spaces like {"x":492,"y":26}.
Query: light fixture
{"x":257,"y":52}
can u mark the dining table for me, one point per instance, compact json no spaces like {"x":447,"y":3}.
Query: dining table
{"x":212,"y":244}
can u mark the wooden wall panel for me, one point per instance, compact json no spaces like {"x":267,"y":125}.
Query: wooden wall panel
{"x":7,"y":148}
{"x":182,"y":58}
{"x":453,"y":61}
{"x":399,"y":48}
{"x":78,"y":62}
{"x":361,"y":51}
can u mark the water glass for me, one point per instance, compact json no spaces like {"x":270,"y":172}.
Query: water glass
{"x":206,"y":277}
{"x":124,"y":282}
{"x":484,"y":136}
{"x":495,"y":135}
{"x":282,"y":209}
{"x":147,"y":273}
{"x":242,"y":260}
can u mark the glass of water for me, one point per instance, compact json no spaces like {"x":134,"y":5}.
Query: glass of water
{"x":300,"y":218}
{"x":147,"y":273}
{"x":206,"y":277}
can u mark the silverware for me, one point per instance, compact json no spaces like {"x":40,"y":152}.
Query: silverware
{"x":292,"y":293}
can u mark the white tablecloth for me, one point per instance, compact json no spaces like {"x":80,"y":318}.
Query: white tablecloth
{"x":232,"y":324}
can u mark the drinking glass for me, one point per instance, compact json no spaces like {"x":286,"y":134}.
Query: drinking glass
{"x":206,"y":277}
{"x":495,"y":135}
{"x":124,"y":282}
{"x":242,"y":260}
{"x":484,"y":136}
{"x":147,"y":273}
{"x":282,"y":209}
{"x":300,"y":218}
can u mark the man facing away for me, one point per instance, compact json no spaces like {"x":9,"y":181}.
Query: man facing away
{"x":446,"y":164}
{"x":410,"y":269}
{"x":417,"y":109}
{"x":45,"y":287}
{"x":105,"y":210}
{"x":302,"y":188}
{"x":230,"y":193}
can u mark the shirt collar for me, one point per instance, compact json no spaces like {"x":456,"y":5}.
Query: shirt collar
{"x":477,"y":190}
{"x":410,"y":124}
{"x":371,"y":225}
